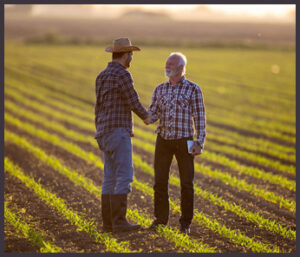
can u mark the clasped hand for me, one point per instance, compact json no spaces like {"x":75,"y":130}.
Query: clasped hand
{"x":194,"y":149}
{"x":147,"y":121}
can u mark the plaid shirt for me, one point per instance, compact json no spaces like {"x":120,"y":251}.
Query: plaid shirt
{"x":175,"y":106}
{"x":116,"y":98}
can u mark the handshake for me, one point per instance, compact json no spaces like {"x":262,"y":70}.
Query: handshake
{"x":147,"y":121}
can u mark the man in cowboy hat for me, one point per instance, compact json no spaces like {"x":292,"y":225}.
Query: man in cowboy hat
{"x":115,"y":99}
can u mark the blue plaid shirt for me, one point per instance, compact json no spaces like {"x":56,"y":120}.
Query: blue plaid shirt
{"x":176,"y":107}
{"x":115,"y":99}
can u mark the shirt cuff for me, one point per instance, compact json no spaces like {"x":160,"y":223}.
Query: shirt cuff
{"x":201,"y":143}
{"x":144,"y":115}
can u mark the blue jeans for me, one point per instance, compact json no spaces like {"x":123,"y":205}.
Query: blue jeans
{"x":118,"y":169}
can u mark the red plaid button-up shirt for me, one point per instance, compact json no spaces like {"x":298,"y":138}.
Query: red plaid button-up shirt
{"x":176,"y":107}
{"x":115,"y":99}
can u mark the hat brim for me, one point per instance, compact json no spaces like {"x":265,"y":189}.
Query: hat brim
{"x":110,"y":49}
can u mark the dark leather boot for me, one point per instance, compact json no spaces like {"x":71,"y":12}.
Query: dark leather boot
{"x":118,"y":211}
{"x":106,"y":213}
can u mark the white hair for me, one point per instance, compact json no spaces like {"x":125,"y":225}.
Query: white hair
{"x":182,"y":59}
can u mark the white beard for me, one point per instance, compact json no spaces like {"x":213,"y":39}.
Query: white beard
{"x":171,"y":73}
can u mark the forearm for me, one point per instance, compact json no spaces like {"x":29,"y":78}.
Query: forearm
{"x":201,"y":138}
{"x":154,"y":116}
{"x":153,"y":108}
{"x":199,"y":116}
{"x":200,"y":125}
{"x":131,"y":97}
{"x":139,"y":110}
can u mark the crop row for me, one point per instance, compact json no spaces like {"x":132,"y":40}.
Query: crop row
{"x":261,"y":113}
{"x":80,"y":77}
{"x":52,"y":200}
{"x":231,"y":119}
{"x":88,"y":126}
{"x":27,"y":230}
{"x":232,"y":181}
{"x":79,"y":137}
{"x":276,"y":179}
{"x":89,"y":157}
{"x":85,"y":111}
{"x":260,"y":132}
{"x":261,"y":126}
{"x":80,"y":180}
{"x":223,"y":176}
{"x":221,"y":147}
{"x":233,"y":165}
{"x":235,"y":236}
{"x":44,"y":68}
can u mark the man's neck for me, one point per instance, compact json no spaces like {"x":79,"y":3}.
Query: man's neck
{"x":120,"y":62}
{"x":174,"y":80}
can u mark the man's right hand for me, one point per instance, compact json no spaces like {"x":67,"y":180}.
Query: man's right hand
{"x":147,"y":121}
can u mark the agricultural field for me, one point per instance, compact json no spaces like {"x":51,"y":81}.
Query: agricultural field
{"x":245,"y":180}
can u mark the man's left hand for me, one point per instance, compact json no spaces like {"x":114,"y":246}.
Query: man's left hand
{"x":194,"y":150}
{"x":147,"y":121}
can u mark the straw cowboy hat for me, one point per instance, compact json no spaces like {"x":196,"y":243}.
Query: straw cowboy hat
{"x":121,"y":45}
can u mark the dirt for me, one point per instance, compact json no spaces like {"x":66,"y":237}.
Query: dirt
{"x":89,"y":206}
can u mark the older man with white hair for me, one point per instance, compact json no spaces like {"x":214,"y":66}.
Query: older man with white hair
{"x":177,"y":103}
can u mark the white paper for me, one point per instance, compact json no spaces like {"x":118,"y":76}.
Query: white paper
{"x":190,"y":144}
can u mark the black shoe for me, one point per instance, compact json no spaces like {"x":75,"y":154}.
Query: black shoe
{"x":126,"y":227}
{"x":154,"y":225}
{"x":107,"y":229}
{"x":118,"y":211}
{"x":185,"y":230}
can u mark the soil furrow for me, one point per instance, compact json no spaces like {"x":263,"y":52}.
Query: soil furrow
{"x":247,"y":225}
{"x":261,"y":153}
{"x":65,"y":234}
{"x":223,"y":244}
{"x":262,"y":204}
{"x":223,"y":126}
{"x":15,"y":242}
{"x":81,"y":201}
{"x":260,"y":183}
{"x":250,"y":163}
{"x":238,"y":196}
{"x":250,"y":179}
{"x":250,"y":133}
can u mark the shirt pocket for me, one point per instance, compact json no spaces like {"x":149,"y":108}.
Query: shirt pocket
{"x":183,"y":102}
{"x":163,"y":102}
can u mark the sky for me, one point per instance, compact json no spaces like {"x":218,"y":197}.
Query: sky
{"x":233,"y":11}
{"x":250,"y":9}
{"x":209,"y":12}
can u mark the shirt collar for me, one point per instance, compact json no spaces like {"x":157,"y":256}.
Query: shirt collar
{"x":116,"y":64}
{"x":182,"y":81}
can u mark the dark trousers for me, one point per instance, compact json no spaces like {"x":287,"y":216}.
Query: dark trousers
{"x":164,"y":152}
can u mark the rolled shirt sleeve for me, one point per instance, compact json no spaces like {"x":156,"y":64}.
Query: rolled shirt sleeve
{"x":198,"y":112}
{"x":154,"y":107}
{"x":131,"y":97}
